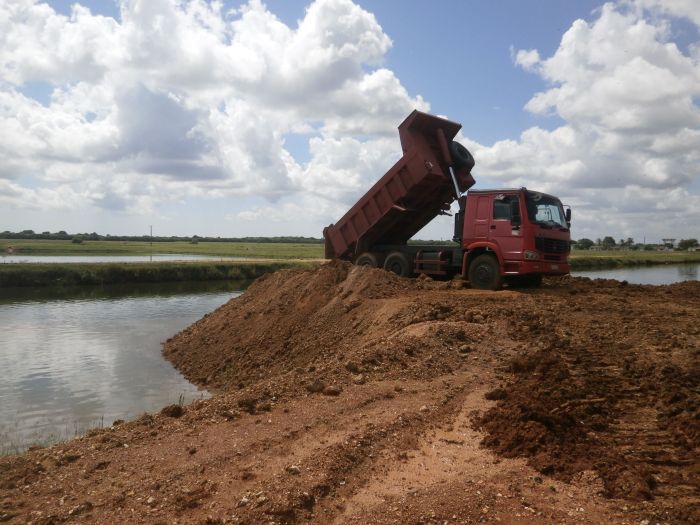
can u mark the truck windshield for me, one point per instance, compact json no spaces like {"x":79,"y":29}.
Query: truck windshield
{"x":545,"y":210}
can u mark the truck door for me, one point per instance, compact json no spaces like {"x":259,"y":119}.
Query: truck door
{"x":481,"y":217}
{"x":502,"y":231}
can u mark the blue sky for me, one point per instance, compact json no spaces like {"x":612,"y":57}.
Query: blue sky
{"x":272,"y":119}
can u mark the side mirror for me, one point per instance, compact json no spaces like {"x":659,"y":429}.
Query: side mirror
{"x":567,"y":214}
{"x":515,"y":219}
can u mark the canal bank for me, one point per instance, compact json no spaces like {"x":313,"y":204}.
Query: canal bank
{"x":60,"y":272}
{"x":78,"y":274}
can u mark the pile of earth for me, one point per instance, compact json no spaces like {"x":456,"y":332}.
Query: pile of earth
{"x":579,"y":392}
{"x":312,"y":330}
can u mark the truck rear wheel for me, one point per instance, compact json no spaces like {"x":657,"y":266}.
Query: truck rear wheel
{"x":367,"y":259}
{"x":484,"y":273}
{"x":398,"y":263}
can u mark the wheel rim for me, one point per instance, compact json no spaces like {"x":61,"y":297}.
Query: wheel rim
{"x":484,"y":275}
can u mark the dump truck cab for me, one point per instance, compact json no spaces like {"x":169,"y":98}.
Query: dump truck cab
{"x":525,"y":232}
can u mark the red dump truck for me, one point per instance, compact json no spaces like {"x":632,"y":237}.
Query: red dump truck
{"x":505,"y":235}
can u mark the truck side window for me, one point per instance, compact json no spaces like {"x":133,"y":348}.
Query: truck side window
{"x":501,"y":208}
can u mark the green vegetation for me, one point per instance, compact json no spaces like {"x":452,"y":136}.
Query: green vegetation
{"x":256,"y":250}
{"x":12,"y":275}
{"x":620,"y":258}
{"x":63,"y":236}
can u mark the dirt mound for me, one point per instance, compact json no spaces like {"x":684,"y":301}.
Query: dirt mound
{"x":619,"y":397}
{"x":299,"y":330}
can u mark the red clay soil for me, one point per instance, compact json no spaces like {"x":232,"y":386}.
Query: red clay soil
{"x":349,"y":395}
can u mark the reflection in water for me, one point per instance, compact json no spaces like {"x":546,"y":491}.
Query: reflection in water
{"x":688,"y":272}
{"x":79,"y":361}
{"x":658,"y":274}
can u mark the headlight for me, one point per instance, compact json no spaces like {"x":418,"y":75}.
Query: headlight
{"x":531,"y":256}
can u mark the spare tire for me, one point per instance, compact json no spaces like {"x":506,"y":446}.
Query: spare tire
{"x":461,"y":158}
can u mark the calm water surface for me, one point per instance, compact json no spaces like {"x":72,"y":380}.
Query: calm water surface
{"x":83,"y":358}
{"x":658,"y":274}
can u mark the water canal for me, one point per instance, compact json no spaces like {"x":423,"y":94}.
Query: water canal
{"x":77,"y":359}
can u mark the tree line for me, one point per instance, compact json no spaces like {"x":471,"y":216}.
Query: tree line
{"x":609,"y":243}
{"x":65,"y":236}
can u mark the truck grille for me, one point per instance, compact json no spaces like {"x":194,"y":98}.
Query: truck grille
{"x":547,"y":245}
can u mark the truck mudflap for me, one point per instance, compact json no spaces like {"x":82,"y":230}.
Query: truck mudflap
{"x":408,"y":196}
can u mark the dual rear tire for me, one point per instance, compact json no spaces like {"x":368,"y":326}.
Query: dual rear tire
{"x":396,"y":262}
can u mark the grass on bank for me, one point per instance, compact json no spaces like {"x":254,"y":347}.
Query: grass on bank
{"x":21,"y":275}
{"x":587,"y":260}
{"x":218,"y":249}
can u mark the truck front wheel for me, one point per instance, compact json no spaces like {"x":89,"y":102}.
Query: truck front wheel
{"x":484,"y":273}
{"x":398,"y":263}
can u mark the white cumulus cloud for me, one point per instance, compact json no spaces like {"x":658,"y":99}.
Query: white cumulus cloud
{"x":183,"y":98}
{"x":629,"y":147}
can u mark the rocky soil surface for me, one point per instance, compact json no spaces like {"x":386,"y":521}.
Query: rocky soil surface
{"x":349,"y":395}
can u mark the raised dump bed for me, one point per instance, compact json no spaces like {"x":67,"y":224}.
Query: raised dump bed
{"x":414,"y":191}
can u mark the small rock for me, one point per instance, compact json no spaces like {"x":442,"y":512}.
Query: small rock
{"x":316,"y":386}
{"x":423,"y":408}
{"x":151,"y":500}
{"x":173,"y":411}
{"x":84,"y":507}
{"x":332,"y":391}
{"x":359,"y":379}
{"x":307,"y":501}
{"x":248,"y":404}
{"x":294,"y":469}
{"x":353,"y":367}
{"x":465,"y":349}
{"x":244,"y":501}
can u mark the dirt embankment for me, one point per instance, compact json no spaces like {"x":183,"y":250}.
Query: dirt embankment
{"x":349,"y":395}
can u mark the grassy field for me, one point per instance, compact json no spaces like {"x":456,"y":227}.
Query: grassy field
{"x":584,"y":259}
{"x":221,"y":249}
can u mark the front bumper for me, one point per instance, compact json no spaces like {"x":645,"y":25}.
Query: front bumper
{"x":543,"y":267}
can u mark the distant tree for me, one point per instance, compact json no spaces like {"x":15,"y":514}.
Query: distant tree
{"x":608,"y":242}
{"x":584,"y":244}
{"x":194,"y":240}
{"x":685,"y":244}
{"x":77,"y":240}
